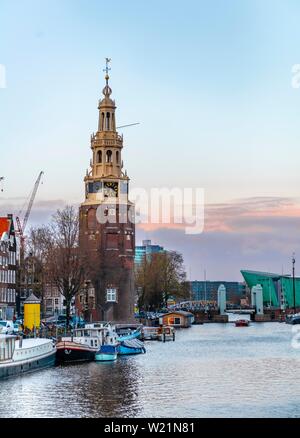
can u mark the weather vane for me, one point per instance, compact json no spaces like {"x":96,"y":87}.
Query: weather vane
{"x":107,"y":68}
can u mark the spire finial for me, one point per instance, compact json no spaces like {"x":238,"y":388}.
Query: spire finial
{"x":107,"y":90}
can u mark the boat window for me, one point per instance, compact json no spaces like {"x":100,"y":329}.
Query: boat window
{"x":92,"y":342}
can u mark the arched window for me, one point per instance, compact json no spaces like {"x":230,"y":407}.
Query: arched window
{"x":117,"y":157}
{"x":107,"y":121}
{"x":113,"y":122}
{"x":99,"y":157}
{"x":108,"y":156}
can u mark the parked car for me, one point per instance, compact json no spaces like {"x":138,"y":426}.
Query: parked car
{"x":6,"y":327}
{"x":17,"y":328}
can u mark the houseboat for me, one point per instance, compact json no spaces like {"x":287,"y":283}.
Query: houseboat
{"x":180,"y":319}
{"x":19,"y":356}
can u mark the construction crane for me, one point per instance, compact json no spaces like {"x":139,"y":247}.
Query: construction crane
{"x":21,"y":227}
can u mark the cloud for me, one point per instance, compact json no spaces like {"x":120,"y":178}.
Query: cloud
{"x":254,"y":233}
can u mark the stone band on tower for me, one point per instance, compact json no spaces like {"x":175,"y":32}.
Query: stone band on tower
{"x":107,"y":233}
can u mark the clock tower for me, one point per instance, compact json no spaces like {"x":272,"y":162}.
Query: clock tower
{"x":107,"y":230}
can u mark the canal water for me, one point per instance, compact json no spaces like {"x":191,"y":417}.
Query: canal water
{"x":211,"y":370}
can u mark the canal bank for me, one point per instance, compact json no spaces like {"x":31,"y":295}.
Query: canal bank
{"x":212,"y":370}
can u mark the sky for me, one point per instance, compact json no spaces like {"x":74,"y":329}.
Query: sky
{"x":210,"y":83}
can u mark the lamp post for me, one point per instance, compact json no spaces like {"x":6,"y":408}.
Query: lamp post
{"x":86,"y":305}
{"x":294,"y":285}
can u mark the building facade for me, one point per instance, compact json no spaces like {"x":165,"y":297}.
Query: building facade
{"x":208,"y":291}
{"x":107,"y":230}
{"x":278,"y":290}
{"x":146,"y":249}
{"x":8,"y":251}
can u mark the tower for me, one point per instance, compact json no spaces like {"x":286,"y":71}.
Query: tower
{"x":107,"y":230}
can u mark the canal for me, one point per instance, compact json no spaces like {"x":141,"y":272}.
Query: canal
{"x":212,"y":370}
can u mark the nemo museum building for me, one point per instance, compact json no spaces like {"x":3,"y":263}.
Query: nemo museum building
{"x":279,"y":291}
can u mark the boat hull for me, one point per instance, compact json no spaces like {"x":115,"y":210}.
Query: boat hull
{"x":123,"y":350}
{"x":133,"y":346}
{"x":70,"y":353}
{"x":103,"y":357}
{"x":242,"y":324}
{"x":27,"y":366}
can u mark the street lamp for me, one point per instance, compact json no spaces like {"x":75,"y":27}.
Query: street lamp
{"x":294,"y":285}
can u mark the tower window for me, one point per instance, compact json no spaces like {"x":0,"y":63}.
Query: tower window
{"x":102,"y":122}
{"x":108,"y":156}
{"x":117,"y":157}
{"x":107,"y":121}
{"x":99,"y":157}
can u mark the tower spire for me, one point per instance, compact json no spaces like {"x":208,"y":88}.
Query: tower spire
{"x":107,"y":90}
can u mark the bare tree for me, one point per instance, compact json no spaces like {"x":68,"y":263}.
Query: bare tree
{"x":159,"y":277}
{"x":65,"y":263}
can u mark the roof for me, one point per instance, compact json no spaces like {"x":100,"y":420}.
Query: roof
{"x":179,"y":312}
{"x":264,"y":274}
{"x":32,"y":299}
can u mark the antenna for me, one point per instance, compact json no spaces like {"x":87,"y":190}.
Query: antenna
{"x":126,"y":126}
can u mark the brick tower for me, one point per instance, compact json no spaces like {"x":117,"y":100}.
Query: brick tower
{"x":107,"y":233}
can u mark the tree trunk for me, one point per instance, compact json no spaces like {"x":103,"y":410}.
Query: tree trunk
{"x":68,"y":305}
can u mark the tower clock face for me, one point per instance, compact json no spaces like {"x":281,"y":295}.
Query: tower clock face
{"x":111,"y":189}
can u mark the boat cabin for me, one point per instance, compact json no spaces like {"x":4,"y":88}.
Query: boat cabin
{"x":7,"y":347}
{"x":177,"y":319}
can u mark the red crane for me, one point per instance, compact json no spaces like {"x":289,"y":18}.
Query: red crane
{"x":21,"y":227}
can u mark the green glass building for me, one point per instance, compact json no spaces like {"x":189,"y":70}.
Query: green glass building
{"x":277,"y":289}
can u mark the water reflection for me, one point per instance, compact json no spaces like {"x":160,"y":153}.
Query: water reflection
{"x":210,"y":370}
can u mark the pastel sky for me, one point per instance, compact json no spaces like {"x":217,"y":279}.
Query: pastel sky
{"x":211,"y":84}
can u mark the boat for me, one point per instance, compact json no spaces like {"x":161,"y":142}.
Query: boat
{"x":106,"y":353}
{"x":293,"y":319}
{"x":166,"y":333}
{"x":242,"y":323}
{"x":131,"y":346}
{"x":72,"y":351}
{"x":85,"y":342}
{"x":19,"y":356}
{"x":126,"y":332}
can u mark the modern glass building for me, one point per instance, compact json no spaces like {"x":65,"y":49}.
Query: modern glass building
{"x":277,"y":289}
{"x":146,"y":249}
{"x":208,"y":290}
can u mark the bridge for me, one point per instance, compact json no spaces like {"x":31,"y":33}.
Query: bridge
{"x":241,"y":311}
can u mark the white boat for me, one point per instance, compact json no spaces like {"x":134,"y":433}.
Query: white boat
{"x":92,"y":337}
{"x":18,"y":356}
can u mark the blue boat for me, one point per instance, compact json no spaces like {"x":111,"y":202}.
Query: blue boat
{"x":106,"y":353}
{"x":128,"y":333}
{"x":132,"y":346}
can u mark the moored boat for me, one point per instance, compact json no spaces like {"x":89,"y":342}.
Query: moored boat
{"x":242,"y":323}
{"x":106,"y":353}
{"x":19,"y":356}
{"x":131,"y":346}
{"x":166,"y":333}
{"x":70,"y":352}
